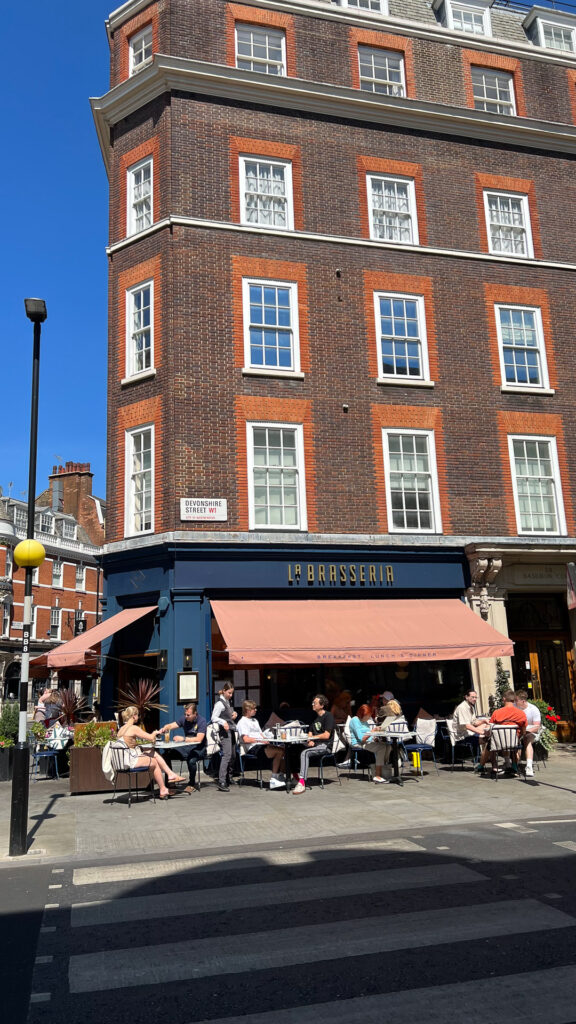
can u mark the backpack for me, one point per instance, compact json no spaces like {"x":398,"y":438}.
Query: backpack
{"x":213,"y":745}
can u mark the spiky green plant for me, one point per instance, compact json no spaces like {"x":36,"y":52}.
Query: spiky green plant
{"x":141,"y":695}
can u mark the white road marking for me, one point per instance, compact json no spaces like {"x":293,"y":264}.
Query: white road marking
{"x":546,"y":995}
{"x":568,"y":845}
{"x":552,"y":821}
{"x":514,"y":826}
{"x":268,"y":894}
{"x":274,"y":858}
{"x":58,"y":886}
{"x":212,"y":957}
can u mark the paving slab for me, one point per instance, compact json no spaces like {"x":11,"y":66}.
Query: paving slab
{"x":64,"y":827}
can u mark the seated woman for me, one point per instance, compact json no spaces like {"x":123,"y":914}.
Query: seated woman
{"x":390,"y":714}
{"x":130,"y":733}
{"x":362,"y":732}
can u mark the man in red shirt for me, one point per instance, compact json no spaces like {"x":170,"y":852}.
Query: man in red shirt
{"x":509,"y":714}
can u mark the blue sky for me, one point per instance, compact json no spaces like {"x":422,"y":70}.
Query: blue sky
{"x":55,"y":193}
{"x":55,"y":216}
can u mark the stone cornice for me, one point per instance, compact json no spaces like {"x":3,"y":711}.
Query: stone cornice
{"x":167,"y":74}
{"x":384,"y":23}
{"x":308,"y":236}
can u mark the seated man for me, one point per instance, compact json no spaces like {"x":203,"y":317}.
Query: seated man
{"x":466,"y":721}
{"x":194,"y":727}
{"x":252,"y":738}
{"x":533,"y":726}
{"x":509,"y":714}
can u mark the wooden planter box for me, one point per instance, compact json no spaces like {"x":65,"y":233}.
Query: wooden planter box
{"x":6,"y":758}
{"x":86,"y":775}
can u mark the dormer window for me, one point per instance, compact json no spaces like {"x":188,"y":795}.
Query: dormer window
{"x":370,"y":6}
{"x":471,"y":16}
{"x":141,"y":49}
{"x":45,"y":523}
{"x":554,"y":30}
{"x":68,"y":529}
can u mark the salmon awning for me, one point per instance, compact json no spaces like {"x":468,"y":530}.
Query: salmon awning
{"x":306,"y":632}
{"x":83,"y":650}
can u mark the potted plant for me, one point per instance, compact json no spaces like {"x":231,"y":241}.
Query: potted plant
{"x":548,"y":736}
{"x":86,"y":774}
{"x":141,"y":695}
{"x":8,"y":737}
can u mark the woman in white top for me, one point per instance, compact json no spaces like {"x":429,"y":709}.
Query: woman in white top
{"x":130,"y":732}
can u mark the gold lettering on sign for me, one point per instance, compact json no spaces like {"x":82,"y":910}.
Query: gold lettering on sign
{"x":362,"y":574}
{"x":389,"y":574}
{"x":352,"y":574}
{"x":321,"y":574}
{"x":342,"y":574}
{"x":332,"y":569}
{"x":297,"y":571}
{"x":310,"y":573}
{"x":372,"y":574}
{"x":290,"y":577}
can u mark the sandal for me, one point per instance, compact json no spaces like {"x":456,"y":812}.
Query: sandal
{"x":176,"y":778}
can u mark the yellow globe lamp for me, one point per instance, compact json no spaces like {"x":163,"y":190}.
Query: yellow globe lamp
{"x":29,"y":554}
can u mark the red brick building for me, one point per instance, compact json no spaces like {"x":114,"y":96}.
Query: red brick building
{"x":341,"y":327}
{"x":67,"y":587}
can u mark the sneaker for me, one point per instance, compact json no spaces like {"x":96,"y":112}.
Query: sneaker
{"x":378,"y":778}
{"x":223,"y":789}
{"x":497,"y":771}
{"x":300,"y":787}
{"x":277,"y":783}
{"x":529,"y":771}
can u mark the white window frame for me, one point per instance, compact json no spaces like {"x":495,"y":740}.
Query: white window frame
{"x":449,"y":7}
{"x":432,"y":474}
{"x":139,"y":44}
{"x":5,"y":625}
{"x":288,"y":191}
{"x":132,"y":217}
{"x":20,"y":519}
{"x":368,"y":83}
{"x":292,"y":288}
{"x":57,"y":573}
{"x":46,"y":524}
{"x":497,"y":74}
{"x":79,"y":616}
{"x":130,"y":512}
{"x":69,"y":530}
{"x":557,"y":485}
{"x":540,"y":348}
{"x":9,"y":564}
{"x":522,"y":198}
{"x":55,"y":623}
{"x":298,"y":431}
{"x":279,"y":33}
{"x":80,"y":577}
{"x":364,"y":6}
{"x":400,"y":378}
{"x":132,"y":333}
{"x":35,"y":575}
{"x":412,"y":210}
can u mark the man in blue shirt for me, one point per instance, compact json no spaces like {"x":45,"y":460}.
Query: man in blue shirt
{"x":194,"y":728}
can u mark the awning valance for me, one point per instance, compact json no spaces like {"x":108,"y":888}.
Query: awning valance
{"x":83,"y":650}
{"x":355,"y":631}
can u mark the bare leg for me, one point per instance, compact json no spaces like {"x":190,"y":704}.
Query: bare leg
{"x":172,"y":777}
{"x":144,"y":761}
{"x":277,"y":757}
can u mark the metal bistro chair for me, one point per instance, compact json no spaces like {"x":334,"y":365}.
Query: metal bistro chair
{"x":252,"y":760}
{"x":47,"y":755}
{"x":120,"y":763}
{"x":503,"y":740}
{"x":329,"y":757}
{"x":396,"y":730}
{"x":461,"y":747}
{"x":425,"y":737}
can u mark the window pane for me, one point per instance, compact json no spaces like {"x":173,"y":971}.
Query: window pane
{"x":259,"y":49}
{"x":275,"y":477}
{"x":400,"y":341}
{"x":493,"y":91}
{"x":265,"y":194}
{"x":410,"y":481}
{"x":270,"y":326}
{"x":506,"y":216}
{"x":535,"y":486}
{"x":381,"y":71}
{"x":391,"y":213}
{"x":521,"y":346}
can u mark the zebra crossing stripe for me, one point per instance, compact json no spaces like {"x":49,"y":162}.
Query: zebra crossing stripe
{"x":268,"y":894}
{"x":269,"y":858}
{"x":196,"y":958}
{"x":546,"y":995}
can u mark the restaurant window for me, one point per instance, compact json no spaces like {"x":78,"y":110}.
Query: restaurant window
{"x":536,"y":484}
{"x":277,"y":495}
{"x":412,"y":496}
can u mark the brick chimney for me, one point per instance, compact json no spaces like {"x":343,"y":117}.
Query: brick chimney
{"x":71,"y":492}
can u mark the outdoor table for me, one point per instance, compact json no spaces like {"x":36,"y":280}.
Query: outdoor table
{"x":163,"y":746}
{"x":288,"y":741}
{"x":392,"y":738}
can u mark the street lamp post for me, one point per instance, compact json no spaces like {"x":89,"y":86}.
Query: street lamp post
{"x":29,"y":554}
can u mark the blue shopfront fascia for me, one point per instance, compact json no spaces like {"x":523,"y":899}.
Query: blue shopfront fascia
{"x":189,"y":576}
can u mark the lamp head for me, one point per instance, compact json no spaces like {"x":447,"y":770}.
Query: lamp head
{"x":35,"y":310}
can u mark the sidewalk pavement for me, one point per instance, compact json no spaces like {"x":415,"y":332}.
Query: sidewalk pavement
{"x":88,"y":827}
